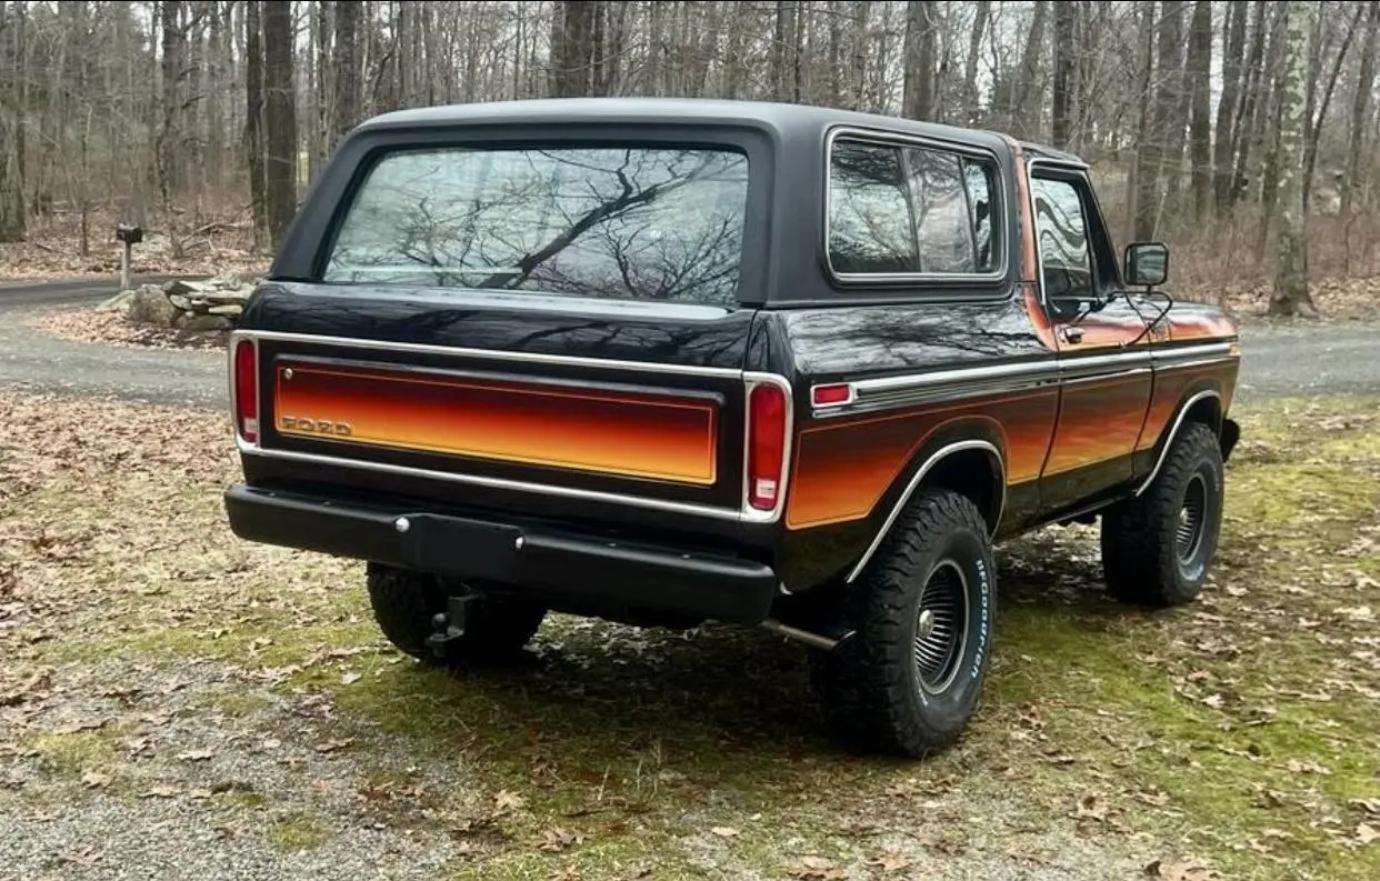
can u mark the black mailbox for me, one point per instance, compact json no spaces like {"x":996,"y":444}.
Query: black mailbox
{"x":129,"y":233}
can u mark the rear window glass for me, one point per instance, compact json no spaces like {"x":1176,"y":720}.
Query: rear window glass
{"x":899,"y":209}
{"x":622,"y":223}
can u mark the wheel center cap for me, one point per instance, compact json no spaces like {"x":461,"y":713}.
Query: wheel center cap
{"x":925,"y":626}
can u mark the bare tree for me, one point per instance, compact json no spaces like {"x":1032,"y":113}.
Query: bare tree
{"x":1360,"y":112}
{"x":1233,"y":50}
{"x":1315,"y":127}
{"x":982,"y":14}
{"x":1290,"y":295}
{"x":253,"y":118}
{"x":1199,"y":76}
{"x":345,"y":110}
{"x":919,"y":84}
{"x":11,"y":122}
{"x":280,"y":119}
{"x":1023,"y":116}
{"x":1065,"y":73}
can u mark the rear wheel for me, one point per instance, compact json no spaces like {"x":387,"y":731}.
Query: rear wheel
{"x":1156,"y":547}
{"x":406,"y":602}
{"x":908,"y":679}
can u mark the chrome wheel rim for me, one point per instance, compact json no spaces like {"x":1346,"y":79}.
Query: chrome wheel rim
{"x":941,"y":627}
{"x":1192,"y":516}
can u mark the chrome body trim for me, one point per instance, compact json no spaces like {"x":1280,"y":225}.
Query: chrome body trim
{"x":751,"y":380}
{"x":744,"y":513}
{"x":1172,"y":433}
{"x":493,"y":354}
{"x":919,"y":475}
{"x":892,"y":138}
{"x":493,"y":482}
{"x":940,"y":385}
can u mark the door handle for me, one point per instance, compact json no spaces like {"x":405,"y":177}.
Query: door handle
{"x":1073,"y":334}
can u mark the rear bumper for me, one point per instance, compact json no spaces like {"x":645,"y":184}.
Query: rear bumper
{"x":581,"y":571}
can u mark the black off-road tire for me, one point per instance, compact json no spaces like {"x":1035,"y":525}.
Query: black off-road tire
{"x":873,"y":686}
{"x":1156,"y":547}
{"x":405,"y":602}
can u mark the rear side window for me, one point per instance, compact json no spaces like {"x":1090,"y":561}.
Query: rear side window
{"x":621,"y":223}
{"x":870,"y":220}
{"x":896,"y":209}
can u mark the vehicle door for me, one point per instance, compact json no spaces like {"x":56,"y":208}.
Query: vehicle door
{"x":1104,"y":349}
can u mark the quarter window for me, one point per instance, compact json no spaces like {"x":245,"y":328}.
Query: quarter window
{"x":1065,"y":261}
{"x":869,"y":210}
{"x":899,"y":209}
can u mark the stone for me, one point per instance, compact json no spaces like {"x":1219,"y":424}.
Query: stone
{"x":227,"y":309}
{"x":150,"y":305}
{"x":118,"y":302}
{"x":206,"y":324}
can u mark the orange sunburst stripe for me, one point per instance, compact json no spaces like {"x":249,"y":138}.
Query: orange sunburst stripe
{"x":648,"y":436}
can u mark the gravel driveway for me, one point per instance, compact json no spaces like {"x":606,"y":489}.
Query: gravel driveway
{"x":1280,"y":360}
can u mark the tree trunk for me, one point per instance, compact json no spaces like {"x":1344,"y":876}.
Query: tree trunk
{"x":1025,"y":115}
{"x":1251,"y":108}
{"x":783,"y":36}
{"x":1065,"y":74}
{"x":345,"y":112}
{"x":982,"y":13}
{"x":918,"y":99}
{"x":1290,"y":295}
{"x":254,"y":118}
{"x":1140,"y":183}
{"x":1234,"y":45}
{"x":11,"y":122}
{"x":280,"y":119}
{"x":573,"y":51}
{"x":1173,"y":125}
{"x":1360,"y":113}
{"x":1199,"y":70}
{"x":1315,"y":132}
{"x":171,"y":170}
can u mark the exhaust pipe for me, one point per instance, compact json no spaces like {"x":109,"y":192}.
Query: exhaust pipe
{"x":795,"y":634}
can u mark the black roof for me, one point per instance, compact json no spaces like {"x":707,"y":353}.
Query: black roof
{"x":787,"y":120}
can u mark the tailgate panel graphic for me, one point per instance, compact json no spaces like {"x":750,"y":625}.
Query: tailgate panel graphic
{"x":654,"y":436}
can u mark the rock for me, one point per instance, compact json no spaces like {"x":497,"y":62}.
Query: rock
{"x":180,"y":302}
{"x":117,"y":302}
{"x":227,"y":309}
{"x":181,"y":287}
{"x":206,"y":324}
{"x":150,"y":305}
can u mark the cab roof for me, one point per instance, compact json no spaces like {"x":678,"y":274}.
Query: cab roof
{"x":787,"y":121}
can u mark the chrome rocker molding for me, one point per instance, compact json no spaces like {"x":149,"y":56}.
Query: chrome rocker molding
{"x":744,"y":514}
{"x":915,"y":480}
{"x":1173,"y":432}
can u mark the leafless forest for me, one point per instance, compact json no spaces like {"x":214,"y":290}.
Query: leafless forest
{"x":1243,"y":133}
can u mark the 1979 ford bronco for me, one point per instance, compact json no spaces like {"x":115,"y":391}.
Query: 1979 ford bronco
{"x":666,"y":361}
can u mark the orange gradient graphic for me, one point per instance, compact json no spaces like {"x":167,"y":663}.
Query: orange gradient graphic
{"x":650,"y":436}
{"x":843,"y":468}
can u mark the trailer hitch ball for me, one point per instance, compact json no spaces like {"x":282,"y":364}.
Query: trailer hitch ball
{"x":450,"y":625}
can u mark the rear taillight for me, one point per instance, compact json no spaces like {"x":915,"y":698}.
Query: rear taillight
{"x":246,"y":390}
{"x":766,"y":446}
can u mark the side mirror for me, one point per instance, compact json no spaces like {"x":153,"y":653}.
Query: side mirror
{"x":1147,"y":263}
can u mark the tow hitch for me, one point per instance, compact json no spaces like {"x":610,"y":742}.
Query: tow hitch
{"x":448,"y":626}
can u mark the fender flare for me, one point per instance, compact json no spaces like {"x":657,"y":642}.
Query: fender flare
{"x":1174,"y":431}
{"x":917,"y":478}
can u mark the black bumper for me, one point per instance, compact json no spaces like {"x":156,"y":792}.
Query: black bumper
{"x":587,"y":572}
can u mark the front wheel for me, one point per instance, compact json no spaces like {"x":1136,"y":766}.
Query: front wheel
{"x":1156,"y":547}
{"x":908,"y":679}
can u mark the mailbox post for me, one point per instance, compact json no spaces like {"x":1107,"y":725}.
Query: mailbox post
{"x":128,"y":235}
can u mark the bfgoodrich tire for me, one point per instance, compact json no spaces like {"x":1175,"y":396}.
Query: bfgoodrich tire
{"x":908,"y":680}
{"x":1156,"y":547}
{"x":405,"y":602}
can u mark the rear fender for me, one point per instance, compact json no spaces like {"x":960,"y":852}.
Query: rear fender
{"x":966,"y":455}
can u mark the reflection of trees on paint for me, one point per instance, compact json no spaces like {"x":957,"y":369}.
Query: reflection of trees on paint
{"x":636,"y":223}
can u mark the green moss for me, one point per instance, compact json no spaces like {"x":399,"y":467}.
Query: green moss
{"x":297,"y":833}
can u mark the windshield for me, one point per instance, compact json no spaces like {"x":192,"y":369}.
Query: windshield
{"x":627,"y":223}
